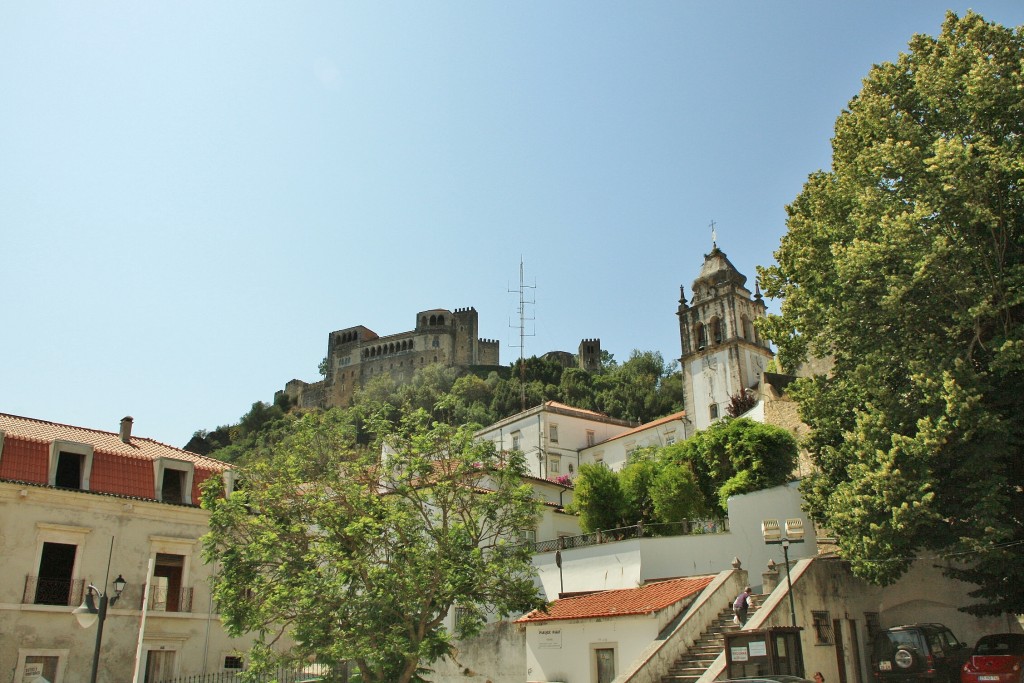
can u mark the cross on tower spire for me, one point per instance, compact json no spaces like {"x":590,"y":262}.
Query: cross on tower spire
{"x":714,"y":236}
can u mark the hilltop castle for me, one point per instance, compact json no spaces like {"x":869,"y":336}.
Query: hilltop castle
{"x":357,"y":354}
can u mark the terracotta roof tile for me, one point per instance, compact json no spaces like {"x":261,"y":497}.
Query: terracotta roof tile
{"x":41,"y":431}
{"x":647,"y":425}
{"x":627,"y":601}
{"x":564,"y":406}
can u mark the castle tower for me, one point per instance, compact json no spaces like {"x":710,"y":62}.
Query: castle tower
{"x":590,"y":355}
{"x":722,"y":352}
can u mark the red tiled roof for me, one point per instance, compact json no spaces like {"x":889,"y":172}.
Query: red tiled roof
{"x":563,"y":406}
{"x":648,"y":425}
{"x":118,"y":468}
{"x":624,"y":602}
{"x":42,"y":431}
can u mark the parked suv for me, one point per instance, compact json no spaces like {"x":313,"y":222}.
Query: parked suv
{"x":918,"y":652}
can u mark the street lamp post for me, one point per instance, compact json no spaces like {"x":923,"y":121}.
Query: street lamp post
{"x":773,"y":535}
{"x":88,"y":613}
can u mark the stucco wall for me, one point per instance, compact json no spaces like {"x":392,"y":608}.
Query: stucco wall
{"x":563,"y":650}
{"x":30,"y":516}
{"x":498,"y":655}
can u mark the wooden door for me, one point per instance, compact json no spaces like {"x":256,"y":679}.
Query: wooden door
{"x":837,"y":629}
{"x":605,"y":664}
{"x":159,"y":665}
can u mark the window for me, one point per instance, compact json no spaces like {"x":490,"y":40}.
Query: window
{"x":69,"y":470}
{"x":713,"y":411}
{"x":173,"y":480}
{"x":47,"y":664}
{"x":700,"y":333}
{"x":570,"y":468}
{"x":233,"y":662}
{"x":553,"y":433}
{"x":57,"y":564}
{"x":166,"y":592}
{"x":172,"y":486}
{"x":528,"y":535}
{"x":716,"y":330}
{"x":169,"y":590}
{"x":70,"y":464}
{"x":460,"y":615}
{"x":516,"y":438}
{"x":232,"y":482}
{"x":873,"y":625}
{"x":56,"y":570}
{"x":822,"y":628}
{"x":590,"y":437}
{"x":553,"y":464}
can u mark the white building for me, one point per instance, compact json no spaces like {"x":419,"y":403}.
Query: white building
{"x":592,"y":637}
{"x":552,"y":435}
{"x":615,"y":451}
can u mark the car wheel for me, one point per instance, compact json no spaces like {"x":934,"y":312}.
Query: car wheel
{"x":905,"y":658}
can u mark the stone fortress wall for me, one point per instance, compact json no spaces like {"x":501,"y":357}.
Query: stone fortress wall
{"x":355,"y":355}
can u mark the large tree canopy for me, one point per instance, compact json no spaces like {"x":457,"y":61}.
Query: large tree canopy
{"x":360,"y":556}
{"x":904,"y":263}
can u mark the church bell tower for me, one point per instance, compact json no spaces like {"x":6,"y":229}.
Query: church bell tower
{"x":722,"y":352}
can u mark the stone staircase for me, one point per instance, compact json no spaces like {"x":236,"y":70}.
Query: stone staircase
{"x":705,"y":651}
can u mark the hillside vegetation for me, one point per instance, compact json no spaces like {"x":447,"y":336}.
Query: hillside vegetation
{"x":641,"y":389}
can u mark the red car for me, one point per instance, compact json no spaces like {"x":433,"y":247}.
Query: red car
{"x":997,"y":658}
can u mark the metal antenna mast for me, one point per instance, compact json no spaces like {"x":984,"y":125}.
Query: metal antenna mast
{"x":522,"y":330}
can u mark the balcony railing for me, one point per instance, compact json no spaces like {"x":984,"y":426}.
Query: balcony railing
{"x":169,"y":599}
{"x":41,"y":590}
{"x":684,"y":528}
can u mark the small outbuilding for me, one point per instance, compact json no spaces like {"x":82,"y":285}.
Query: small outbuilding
{"x":589,"y":638}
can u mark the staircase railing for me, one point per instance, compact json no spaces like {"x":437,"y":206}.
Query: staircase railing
{"x":772,"y":610}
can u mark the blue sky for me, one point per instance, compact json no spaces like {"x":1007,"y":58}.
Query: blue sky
{"x":194,"y":194}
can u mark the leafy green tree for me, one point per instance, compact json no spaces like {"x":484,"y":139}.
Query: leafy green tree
{"x":598,"y":498}
{"x":360,"y":556}
{"x":427,"y":386}
{"x":636,"y":390}
{"x":735,"y":456}
{"x":637,"y":481}
{"x":675,"y":494}
{"x":576,"y":388}
{"x":658,"y":489}
{"x":904,"y":262}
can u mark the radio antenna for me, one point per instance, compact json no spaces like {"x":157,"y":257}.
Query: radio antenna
{"x":523,"y":319}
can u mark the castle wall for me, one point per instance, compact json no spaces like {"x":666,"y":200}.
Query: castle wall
{"x":356,"y":355}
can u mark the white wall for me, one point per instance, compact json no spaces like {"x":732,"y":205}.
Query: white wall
{"x":563,"y":650}
{"x":534,"y":428}
{"x":627,"y":564}
{"x":615,"y":452}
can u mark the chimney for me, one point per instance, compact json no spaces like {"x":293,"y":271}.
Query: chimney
{"x":126,"y":429}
